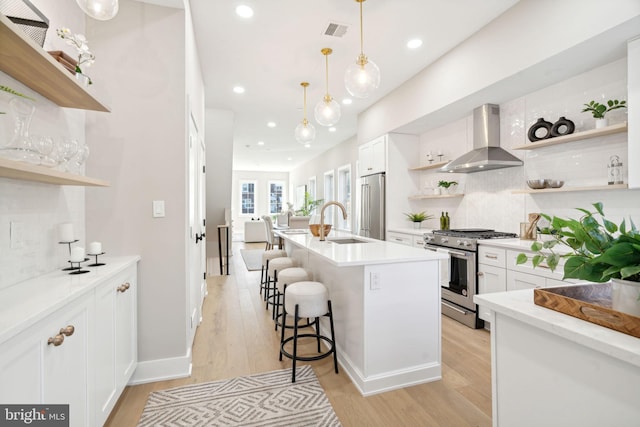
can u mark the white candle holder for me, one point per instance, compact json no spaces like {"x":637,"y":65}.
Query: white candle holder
{"x":76,"y":268}
{"x":69,"y":243}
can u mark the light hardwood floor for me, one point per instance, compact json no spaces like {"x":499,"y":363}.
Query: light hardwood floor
{"x":237,"y":338}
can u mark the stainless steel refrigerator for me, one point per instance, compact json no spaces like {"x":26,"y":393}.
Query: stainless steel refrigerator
{"x":372,"y":216}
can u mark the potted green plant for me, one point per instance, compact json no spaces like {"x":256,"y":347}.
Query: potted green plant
{"x":599,"y":110}
{"x":308,"y":205}
{"x":598,"y":251}
{"x":446,"y":186}
{"x":417,"y":218}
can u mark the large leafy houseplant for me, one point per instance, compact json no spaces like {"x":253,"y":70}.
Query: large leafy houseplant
{"x":308,"y":205}
{"x":599,"y":250}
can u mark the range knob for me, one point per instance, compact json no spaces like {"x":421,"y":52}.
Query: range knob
{"x":463,"y":243}
{"x":445,"y":240}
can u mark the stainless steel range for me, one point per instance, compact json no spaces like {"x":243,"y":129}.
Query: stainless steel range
{"x":459,"y":274}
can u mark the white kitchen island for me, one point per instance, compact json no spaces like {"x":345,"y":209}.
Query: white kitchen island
{"x":551,"y":369}
{"x":386,"y":307}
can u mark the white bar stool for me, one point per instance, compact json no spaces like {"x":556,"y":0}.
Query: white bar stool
{"x":307,"y":299}
{"x":275,"y":265}
{"x":266,"y":257}
{"x":286,"y":277}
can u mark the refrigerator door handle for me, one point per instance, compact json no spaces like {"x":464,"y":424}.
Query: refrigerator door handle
{"x":364,"y":209}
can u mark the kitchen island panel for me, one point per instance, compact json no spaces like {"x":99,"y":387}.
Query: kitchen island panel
{"x":386,"y":311}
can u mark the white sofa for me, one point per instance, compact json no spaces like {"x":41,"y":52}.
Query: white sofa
{"x":255,"y":231}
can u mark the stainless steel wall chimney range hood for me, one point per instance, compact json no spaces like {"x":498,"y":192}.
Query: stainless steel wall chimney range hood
{"x":486,"y":154}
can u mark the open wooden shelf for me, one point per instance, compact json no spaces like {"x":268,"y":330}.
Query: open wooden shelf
{"x":435,"y":196}
{"x":29,"y":172}
{"x":572,"y":189}
{"x":593,"y":133}
{"x":25,"y":61}
{"x":430,"y":166}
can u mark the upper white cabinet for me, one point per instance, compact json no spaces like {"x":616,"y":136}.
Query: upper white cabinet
{"x":373,"y":156}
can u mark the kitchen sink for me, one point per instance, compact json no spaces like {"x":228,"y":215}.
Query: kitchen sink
{"x":346,"y":240}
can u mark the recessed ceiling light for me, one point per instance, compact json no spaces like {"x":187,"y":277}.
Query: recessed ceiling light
{"x":238,"y":89}
{"x":244,"y":11}
{"x":271,"y":124}
{"x":289,"y":158}
{"x":307,"y":145}
{"x":347,"y":101}
{"x":260,"y":142}
{"x":332,"y":129}
{"x":414,"y":44}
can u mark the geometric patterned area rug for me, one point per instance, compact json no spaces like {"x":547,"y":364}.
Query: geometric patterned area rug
{"x":252,"y":258}
{"x":265,"y":399}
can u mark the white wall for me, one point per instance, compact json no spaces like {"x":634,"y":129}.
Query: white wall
{"x":141,"y":148}
{"x":39,"y":208}
{"x":488,"y":199}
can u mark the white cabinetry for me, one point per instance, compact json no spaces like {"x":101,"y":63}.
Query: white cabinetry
{"x":409,"y":239}
{"x":492,"y":274}
{"x":70,"y":340}
{"x":498,"y":272}
{"x":373,"y":156}
{"x":49,"y":363}
{"x":116,"y":350}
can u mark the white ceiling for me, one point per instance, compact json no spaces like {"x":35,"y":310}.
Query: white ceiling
{"x":279,"y":47}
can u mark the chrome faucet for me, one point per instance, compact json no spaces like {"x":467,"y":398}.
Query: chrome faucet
{"x":338,"y":204}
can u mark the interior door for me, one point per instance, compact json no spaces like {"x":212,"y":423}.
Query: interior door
{"x":196,"y":230}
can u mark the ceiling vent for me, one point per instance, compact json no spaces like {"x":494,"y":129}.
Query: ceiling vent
{"x":334,"y":29}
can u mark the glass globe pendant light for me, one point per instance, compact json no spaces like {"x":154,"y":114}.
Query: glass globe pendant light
{"x":305,"y":132}
{"x":327,"y":111}
{"x":363,"y":76}
{"x":102,"y":10}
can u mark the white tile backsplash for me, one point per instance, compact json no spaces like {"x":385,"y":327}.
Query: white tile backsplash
{"x":489,"y":201}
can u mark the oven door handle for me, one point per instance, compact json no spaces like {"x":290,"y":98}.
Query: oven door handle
{"x":455,"y":308}
{"x":458,"y":253}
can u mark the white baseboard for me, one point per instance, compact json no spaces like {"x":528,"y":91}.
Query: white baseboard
{"x":162,"y":369}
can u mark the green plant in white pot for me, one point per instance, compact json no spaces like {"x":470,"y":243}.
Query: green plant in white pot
{"x":600,"y":110}
{"x":417,"y":218}
{"x":599,"y":251}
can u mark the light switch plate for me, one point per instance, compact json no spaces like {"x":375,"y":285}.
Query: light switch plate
{"x":158,"y":208}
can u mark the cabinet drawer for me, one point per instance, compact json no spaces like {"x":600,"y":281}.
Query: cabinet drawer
{"x":541,"y":270}
{"x":418,"y":241}
{"x":488,"y":255}
{"x":403,"y":239}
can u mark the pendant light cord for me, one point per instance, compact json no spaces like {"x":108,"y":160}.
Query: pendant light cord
{"x":361,"y":30}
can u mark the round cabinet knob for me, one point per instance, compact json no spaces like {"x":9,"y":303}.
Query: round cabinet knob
{"x":68,"y":331}
{"x":56,"y":341}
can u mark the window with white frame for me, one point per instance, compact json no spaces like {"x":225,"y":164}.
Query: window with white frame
{"x":312,"y":187}
{"x":276,"y":196}
{"x":328,"y":196}
{"x":247,"y":197}
{"x":344,"y":196}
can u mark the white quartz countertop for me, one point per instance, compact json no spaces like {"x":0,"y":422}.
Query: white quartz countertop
{"x":410,"y":230}
{"x":372,"y":252}
{"x":519,"y":305}
{"x":25,"y":303}
{"x":519,"y":245}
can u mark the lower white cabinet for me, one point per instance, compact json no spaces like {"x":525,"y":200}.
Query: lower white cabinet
{"x":402,"y":238}
{"x":490,"y":279}
{"x":498,"y":272}
{"x":82,"y":354}
{"x":116,"y":349}
{"x":50,"y":363}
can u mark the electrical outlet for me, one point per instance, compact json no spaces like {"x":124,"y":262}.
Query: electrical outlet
{"x":374,"y":284}
{"x":158,"y":208}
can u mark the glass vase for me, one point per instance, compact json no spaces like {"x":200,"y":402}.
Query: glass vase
{"x":20,"y":147}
